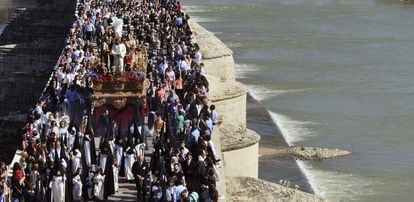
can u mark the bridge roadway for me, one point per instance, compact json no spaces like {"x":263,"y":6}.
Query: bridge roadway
{"x":127,"y":191}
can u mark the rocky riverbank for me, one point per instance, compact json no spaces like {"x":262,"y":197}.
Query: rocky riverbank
{"x":251,"y":189}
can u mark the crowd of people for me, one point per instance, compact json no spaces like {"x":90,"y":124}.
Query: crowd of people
{"x":60,"y":161}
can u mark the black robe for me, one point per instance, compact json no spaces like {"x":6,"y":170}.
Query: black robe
{"x":85,"y":186}
{"x":142,"y":170}
{"x":105,"y":125}
{"x":92,"y":152}
{"x":109,"y":184}
{"x":121,"y":142}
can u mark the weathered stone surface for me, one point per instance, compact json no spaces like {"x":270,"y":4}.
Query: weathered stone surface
{"x":29,"y":48}
{"x":211,"y":47}
{"x":252,"y":189}
{"x":10,"y":139}
{"x":233,"y":137}
{"x":230,"y":100}
{"x":315,"y":153}
{"x":217,"y":57}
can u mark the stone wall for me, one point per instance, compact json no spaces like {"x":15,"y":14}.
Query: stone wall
{"x":217,"y":57}
{"x":29,"y":48}
{"x":239,"y":145}
{"x":242,"y":162}
{"x":230,"y":100}
{"x":10,"y":140}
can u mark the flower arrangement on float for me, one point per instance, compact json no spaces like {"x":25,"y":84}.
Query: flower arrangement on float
{"x":130,"y":82}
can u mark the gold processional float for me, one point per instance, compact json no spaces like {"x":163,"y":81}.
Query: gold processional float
{"x":119,"y":89}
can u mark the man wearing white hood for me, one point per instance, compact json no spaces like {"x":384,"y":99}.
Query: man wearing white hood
{"x":119,"y":52}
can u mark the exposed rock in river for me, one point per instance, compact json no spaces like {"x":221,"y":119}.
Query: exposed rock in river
{"x":315,"y":153}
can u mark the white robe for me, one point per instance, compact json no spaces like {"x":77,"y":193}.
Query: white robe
{"x":87,"y":152}
{"x":118,"y":155}
{"x":76,"y":162}
{"x":129,"y":161}
{"x":70,"y":141}
{"x":112,"y":145}
{"x":57,"y":186}
{"x":119,"y":52}
{"x":98,"y":190}
{"x":139,"y":149}
{"x":77,"y":188}
{"x":116,"y":174}
{"x":102,"y":162}
{"x":63,"y":132}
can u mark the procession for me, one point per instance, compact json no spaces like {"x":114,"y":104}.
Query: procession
{"x":163,"y":147}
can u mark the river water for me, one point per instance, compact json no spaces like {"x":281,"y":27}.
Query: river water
{"x":332,"y":73}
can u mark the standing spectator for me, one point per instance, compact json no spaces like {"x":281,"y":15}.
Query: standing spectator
{"x":17,"y":183}
{"x":140,"y":170}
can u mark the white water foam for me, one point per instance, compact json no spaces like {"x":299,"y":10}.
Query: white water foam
{"x":196,"y":9}
{"x":261,"y":93}
{"x":200,"y":19}
{"x":292,"y":130}
{"x":337,"y":186}
{"x":332,"y":185}
{"x":310,"y":178}
{"x":193,"y":10}
{"x":243,"y":70}
{"x":206,"y":8}
{"x":235,"y":44}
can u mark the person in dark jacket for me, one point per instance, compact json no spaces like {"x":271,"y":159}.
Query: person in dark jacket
{"x":140,"y":171}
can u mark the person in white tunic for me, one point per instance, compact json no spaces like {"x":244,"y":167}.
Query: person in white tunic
{"x":71,"y":138}
{"x":111,"y":139}
{"x":129,"y":161}
{"x":76,"y":160}
{"x":116,"y":175}
{"x":102,"y":161}
{"x":63,"y":132}
{"x":119,"y":150}
{"x":57,"y":186}
{"x":77,"y":186}
{"x":87,"y":150}
{"x":98,"y":189}
{"x":119,"y":52}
